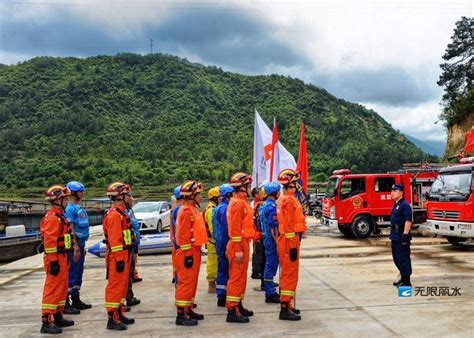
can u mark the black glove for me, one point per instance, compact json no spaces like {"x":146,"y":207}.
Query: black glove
{"x":405,"y":238}
{"x":54,"y":268}
{"x":293,"y":254}
{"x":188,"y":262}
{"x":119,"y":266}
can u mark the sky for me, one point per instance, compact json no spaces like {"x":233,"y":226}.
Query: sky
{"x":382,"y":54}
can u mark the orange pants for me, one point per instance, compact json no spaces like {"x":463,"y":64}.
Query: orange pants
{"x":237,"y":273}
{"x":187,"y":277}
{"x":55,"y":287}
{"x":289,"y":270}
{"x":116,"y":289}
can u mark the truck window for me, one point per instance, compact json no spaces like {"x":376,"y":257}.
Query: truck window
{"x":331,"y":187}
{"x":384,"y":184}
{"x":351,"y":187}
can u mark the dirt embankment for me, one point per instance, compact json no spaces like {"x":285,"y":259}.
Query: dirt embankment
{"x":456,"y":135}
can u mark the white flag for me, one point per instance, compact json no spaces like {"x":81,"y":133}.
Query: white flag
{"x":262,"y":154}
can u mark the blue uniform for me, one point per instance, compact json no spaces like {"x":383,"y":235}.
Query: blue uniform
{"x":221,"y":236}
{"x":174,"y":219}
{"x":78,"y":216}
{"x":269,"y":221}
{"x":401,"y":212}
{"x":135,"y":226}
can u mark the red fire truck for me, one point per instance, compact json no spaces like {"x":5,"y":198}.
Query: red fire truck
{"x":451,"y":203}
{"x":360,"y":204}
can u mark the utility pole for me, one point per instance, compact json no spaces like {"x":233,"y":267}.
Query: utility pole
{"x":151,"y":46}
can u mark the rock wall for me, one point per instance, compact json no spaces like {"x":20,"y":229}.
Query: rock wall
{"x":456,"y":135}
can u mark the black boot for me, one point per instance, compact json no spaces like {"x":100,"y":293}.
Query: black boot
{"x":221,"y":302}
{"x":256,"y":275}
{"x":287,"y":314}
{"x":48,"y":325}
{"x":397,"y":283}
{"x":275,"y":298}
{"x":124,"y":319}
{"x":195,"y":315}
{"x":137,"y":280}
{"x":405,"y":281}
{"x":234,"y":316}
{"x":183,"y":318}
{"x":244,"y":312}
{"x":78,"y":303}
{"x":69,"y":309}
{"x":114,"y":322}
{"x":61,"y":321}
{"x":133,"y":301}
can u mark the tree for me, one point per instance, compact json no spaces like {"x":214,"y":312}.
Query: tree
{"x":458,"y":73}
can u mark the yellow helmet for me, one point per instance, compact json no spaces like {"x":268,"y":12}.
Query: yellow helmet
{"x":190,"y":187}
{"x":262,"y":193}
{"x":213,"y":193}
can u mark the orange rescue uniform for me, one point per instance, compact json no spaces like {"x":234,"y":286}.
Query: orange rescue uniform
{"x":241,"y":231}
{"x":119,"y":237}
{"x":191,"y":235}
{"x":57,"y":240}
{"x":291,"y":222}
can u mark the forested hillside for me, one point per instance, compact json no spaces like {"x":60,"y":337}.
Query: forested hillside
{"x":159,"y":119}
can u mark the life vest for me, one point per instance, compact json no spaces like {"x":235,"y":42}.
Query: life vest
{"x":128,"y":235}
{"x":65,"y":239}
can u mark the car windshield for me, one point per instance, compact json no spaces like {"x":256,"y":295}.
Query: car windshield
{"x":331,"y":187}
{"x":452,"y":184}
{"x":146,"y":207}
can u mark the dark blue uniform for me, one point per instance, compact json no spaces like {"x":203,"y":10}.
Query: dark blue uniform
{"x":221,"y":235}
{"x":269,"y":221}
{"x":401,"y":212}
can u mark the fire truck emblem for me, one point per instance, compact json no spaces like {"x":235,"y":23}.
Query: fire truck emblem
{"x":356,"y":202}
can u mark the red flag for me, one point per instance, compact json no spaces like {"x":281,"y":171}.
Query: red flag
{"x":302,"y":165}
{"x":469,"y":142}
{"x":275,"y":152}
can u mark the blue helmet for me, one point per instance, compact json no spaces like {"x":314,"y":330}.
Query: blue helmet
{"x":75,"y":186}
{"x":226,"y":189}
{"x":177,"y":192}
{"x":272,"y":188}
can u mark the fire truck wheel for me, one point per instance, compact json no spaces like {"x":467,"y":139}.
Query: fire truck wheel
{"x":346,"y":231}
{"x":362,"y":227}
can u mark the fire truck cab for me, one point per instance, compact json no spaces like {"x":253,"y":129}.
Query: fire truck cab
{"x":360,"y":204}
{"x":451,"y":203}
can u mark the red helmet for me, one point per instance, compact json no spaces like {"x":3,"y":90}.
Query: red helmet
{"x":190,"y":187}
{"x":118,"y":188}
{"x":287,"y":176}
{"x":240,"y":179}
{"x":55,"y":192}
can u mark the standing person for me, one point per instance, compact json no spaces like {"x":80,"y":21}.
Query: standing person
{"x":57,"y":242}
{"x":221,"y":235}
{"x":119,"y":238}
{"x":241,"y":231}
{"x":173,"y":217}
{"x":131,"y":300}
{"x":79,"y":222}
{"x":213,"y":195}
{"x":291,"y":221}
{"x":191,"y":235}
{"x":257,"y":252}
{"x":136,"y":230}
{"x":401,"y":221}
{"x":269,"y":221}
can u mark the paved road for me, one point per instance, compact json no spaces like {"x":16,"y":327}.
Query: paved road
{"x":344,"y":291}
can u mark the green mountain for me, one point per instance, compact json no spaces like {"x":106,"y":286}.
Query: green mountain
{"x":428,"y":146}
{"x":157,"y":119}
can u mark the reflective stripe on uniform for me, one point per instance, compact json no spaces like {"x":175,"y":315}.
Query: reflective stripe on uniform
{"x":51,"y":250}
{"x":268,"y":280}
{"x":287,"y":293}
{"x":49,"y":306}
{"x":62,"y":302}
{"x":183,"y":303}
{"x":185,"y":247}
{"x":116,"y":248}
{"x":232,"y":299}
{"x":112,"y":305}
{"x":221,"y":287}
{"x":290,"y":235}
{"x":237,"y":239}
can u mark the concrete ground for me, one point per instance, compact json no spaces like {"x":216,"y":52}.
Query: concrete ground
{"x":345,"y":290}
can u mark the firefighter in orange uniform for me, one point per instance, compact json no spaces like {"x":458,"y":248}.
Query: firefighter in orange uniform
{"x":241,"y":231}
{"x":291,"y":223}
{"x":57,"y":242}
{"x":191,"y":235}
{"x":119,"y":238}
